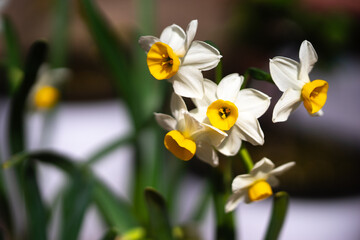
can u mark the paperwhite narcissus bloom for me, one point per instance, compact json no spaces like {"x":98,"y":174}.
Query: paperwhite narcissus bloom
{"x":233,"y":110}
{"x":176,"y":57}
{"x":45,"y":92}
{"x":187,"y":136}
{"x":292,"y":78}
{"x":257,"y":184}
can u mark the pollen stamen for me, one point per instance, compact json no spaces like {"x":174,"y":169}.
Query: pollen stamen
{"x":224,"y":112}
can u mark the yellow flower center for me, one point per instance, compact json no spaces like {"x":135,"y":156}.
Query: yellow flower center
{"x":259,"y":191}
{"x":46,"y":97}
{"x":222,"y":114}
{"x":180,"y":146}
{"x":163,"y":63}
{"x":314,"y":95}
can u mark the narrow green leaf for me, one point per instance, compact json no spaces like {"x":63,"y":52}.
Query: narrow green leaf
{"x":141,"y":91}
{"x":76,"y":200}
{"x":112,"y":50}
{"x":36,"y":212}
{"x":116,"y":212}
{"x":17,"y":108}
{"x":58,"y":44}
{"x":149,"y":162}
{"x":109,"y":148}
{"x":159,"y":223}
{"x":13,"y":56}
{"x":6,"y":226}
{"x":280,"y":205}
{"x":48,"y":157}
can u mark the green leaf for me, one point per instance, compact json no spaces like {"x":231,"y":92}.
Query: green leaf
{"x":280,"y":205}
{"x":75,"y":202}
{"x":159,"y":223}
{"x":48,"y":157}
{"x":76,"y":199}
{"x":116,"y":212}
{"x":113,"y":51}
{"x":13,"y":56}
{"x":109,"y":148}
{"x":17,"y":107}
{"x":140,"y":90}
{"x":58,"y":44}
{"x":5,"y":215}
{"x":36,"y":212}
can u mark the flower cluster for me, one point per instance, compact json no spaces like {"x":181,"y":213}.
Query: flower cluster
{"x":225,"y":114}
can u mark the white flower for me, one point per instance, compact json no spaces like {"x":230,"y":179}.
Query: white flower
{"x":187,"y":136}
{"x":292,"y":78}
{"x":233,"y":110}
{"x":45,"y":92}
{"x":257,"y":184}
{"x":176,"y":57}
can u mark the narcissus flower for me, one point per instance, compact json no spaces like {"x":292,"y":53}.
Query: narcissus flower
{"x":187,"y":136}
{"x":45,"y":92}
{"x":292,"y":78}
{"x":176,"y":57}
{"x":256,"y":185}
{"x":234,"y":111}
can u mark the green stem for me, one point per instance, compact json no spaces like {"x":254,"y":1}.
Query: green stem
{"x":221,"y":182}
{"x":245,"y":156}
{"x":280,"y":206}
{"x":202,"y":205}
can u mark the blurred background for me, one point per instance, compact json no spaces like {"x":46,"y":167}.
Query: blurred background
{"x":324,"y":183}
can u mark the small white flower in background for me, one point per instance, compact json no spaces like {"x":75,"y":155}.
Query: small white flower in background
{"x":233,"y":110}
{"x":45,"y":93}
{"x":257,"y":184}
{"x":176,"y":57}
{"x":292,"y":78}
{"x":187,"y":136}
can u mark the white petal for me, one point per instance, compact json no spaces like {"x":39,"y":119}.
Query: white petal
{"x":177,"y":106}
{"x":165,"y":121}
{"x":284,"y":72}
{"x":229,"y":87}
{"x":308,"y":58}
{"x":188,"y":82}
{"x":190,"y":33}
{"x":174,"y":36}
{"x":265,"y":166}
{"x":242,"y":181}
{"x":249,"y":129}
{"x":209,"y":94}
{"x":231,"y":145}
{"x":206,"y":153}
{"x":252,"y":101}
{"x":199,"y":114}
{"x":211,"y":135}
{"x":234,"y":200}
{"x":192,"y":126}
{"x":283,"y":168}
{"x":273,"y":181}
{"x":288,"y":102}
{"x":202,"y":56}
{"x":147,"y":41}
